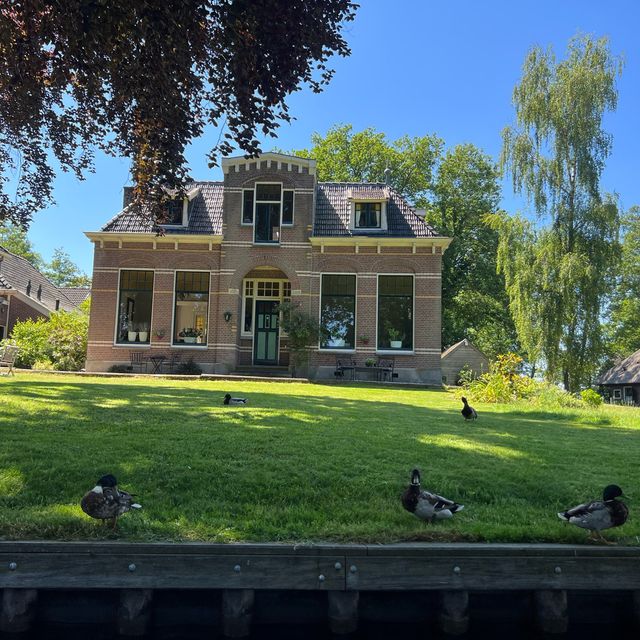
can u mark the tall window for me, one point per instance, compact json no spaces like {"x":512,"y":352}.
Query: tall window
{"x":287,"y":207}
{"x":192,"y":308}
{"x":134,"y":307}
{"x":395,"y":312}
{"x":267,"y":219}
{"x":247,"y":206}
{"x":368,"y":215}
{"x":338,"y":311}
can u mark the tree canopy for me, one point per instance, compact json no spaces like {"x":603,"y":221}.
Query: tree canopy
{"x":63,"y":272}
{"x":142,"y":79}
{"x":14,"y":239}
{"x":558,"y":276}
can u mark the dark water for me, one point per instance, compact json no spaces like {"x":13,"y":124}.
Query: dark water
{"x":195,"y":615}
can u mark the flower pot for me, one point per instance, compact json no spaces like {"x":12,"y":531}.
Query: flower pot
{"x":189,"y":339}
{"x":131,"y":336}
{"x":143,"y":335}
{"x":396,"y":344}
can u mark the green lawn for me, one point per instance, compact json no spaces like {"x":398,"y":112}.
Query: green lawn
{"x":301,"y":462}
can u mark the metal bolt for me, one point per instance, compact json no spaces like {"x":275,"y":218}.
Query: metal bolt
{"x":321,"y":578}
{"x":338,"y":566}
{"x":457,"y":570}
{"x":353,"y":568}
{"x":13,"y":566}
{"x":132,"y":567}
{"x":558,"y":570}
{"x":237,"y":568}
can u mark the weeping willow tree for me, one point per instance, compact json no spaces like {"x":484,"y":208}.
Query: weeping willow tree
{"x":558,"y":274}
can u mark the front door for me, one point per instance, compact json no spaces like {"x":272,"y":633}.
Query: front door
{"x":265,"y":338}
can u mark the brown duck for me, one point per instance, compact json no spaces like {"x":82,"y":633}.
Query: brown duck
{"x":106,"y":502}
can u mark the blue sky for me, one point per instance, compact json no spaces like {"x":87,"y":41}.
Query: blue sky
{"x":416,"y":67}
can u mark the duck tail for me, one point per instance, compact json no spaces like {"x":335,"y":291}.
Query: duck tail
{"x":563,"y":516}
{"x":135,"y":505}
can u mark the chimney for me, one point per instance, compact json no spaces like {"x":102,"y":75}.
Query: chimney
{"x":127,"y":196}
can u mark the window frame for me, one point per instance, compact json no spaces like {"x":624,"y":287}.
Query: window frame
{"x":293,"y":208}
{"x":204,"y":345}
{"x":355,"y":214}
{"x":185,"y":217}
{"x":617,"y":391}
{"x":255,"y":206}
{"x":388,"y":352}
{"x":132,"y":345}
{"x":322,"y":349}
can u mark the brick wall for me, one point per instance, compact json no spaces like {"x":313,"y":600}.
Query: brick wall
{"x":19,"y":311}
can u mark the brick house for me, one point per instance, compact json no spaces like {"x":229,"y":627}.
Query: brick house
{"x":26,"y":294}
{"x":356,"y":256}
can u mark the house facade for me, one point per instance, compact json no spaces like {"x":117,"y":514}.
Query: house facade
{"x":26,"y":294}
{"x":354,"y":256}
{"x":621,"y":383}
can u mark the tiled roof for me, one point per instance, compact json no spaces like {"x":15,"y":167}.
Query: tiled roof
{"x":625,"y":372}
{"x":76,"y":295}
{"x":16,"y":273}
{"x":333,"y":209}
{"x":205,"y":214}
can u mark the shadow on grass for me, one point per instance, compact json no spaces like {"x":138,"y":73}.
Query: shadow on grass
{"x":297,"y":462}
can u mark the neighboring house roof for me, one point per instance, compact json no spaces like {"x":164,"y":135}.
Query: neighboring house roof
{"x":625,"y":372}
{"x":205,"y":214}
{"x":332,"y":214}
{"x":463,"y":343}
{"x":76,"y":295}
{"x":333,"y":211}
{"x":15,"y":275}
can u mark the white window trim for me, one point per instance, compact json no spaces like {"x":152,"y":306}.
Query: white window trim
{"x":383,"y":216}
{"x":404,"y":352}
{"x":255,"y":203}
{"x":617,"y":394}
{"x":253,"y":213}
{"x":293,"y":212}
{"x":624,"y":391}
{"x":204,"y":345}
{"x":185,"y":216}
{"x":322,"y":349}
{"x":133,"y":345}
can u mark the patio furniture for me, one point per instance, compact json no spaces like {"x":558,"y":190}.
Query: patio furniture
{"x":173,"y":361}
{"x":342,"y":365}
{"x":138,"y":359}
{"x":156,"y":361}
{"x":385,"y":368}
{"x":8,"y":355}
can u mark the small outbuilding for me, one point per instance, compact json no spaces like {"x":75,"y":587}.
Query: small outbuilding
{"x":460,"y":356}
{"x":621,"y":383}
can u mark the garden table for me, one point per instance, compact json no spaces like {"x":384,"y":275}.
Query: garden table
{"x":157,"y":361}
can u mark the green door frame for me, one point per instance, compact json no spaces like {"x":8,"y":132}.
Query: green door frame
{"x":266,"y":333}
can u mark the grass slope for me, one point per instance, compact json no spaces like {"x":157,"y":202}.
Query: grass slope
{"x":300,"y":462}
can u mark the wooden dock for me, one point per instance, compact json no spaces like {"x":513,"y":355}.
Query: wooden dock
{"x":236,"y":576}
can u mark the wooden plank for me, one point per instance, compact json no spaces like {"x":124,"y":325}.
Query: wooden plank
{"x":237,"y":612}
{"x":161,"y":571}
{"x":343,"y":611}
{"x":491,"y":573}
{"x":18,"y":610}
{"x":551,"y":612}
{"x":134,"y":612}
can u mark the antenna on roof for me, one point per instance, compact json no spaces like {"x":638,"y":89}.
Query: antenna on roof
{"x":387,"y":176}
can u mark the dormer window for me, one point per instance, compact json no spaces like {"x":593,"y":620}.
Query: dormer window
{"x":368,"y":215}
{"x":176,"y":213}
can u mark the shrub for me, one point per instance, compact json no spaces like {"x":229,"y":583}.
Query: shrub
{"x":189,"y":368}
{"x":303,"y":332}
{"x":45,"y":365}
{"x":503,"y":382}
{"x":591,"y":398}
{"x":120,"y":368}
{"x":61,"y":340}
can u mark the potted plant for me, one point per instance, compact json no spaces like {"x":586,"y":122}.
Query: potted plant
{"x":395,"y":337}
{"x":143,"y":332}
{"x":159,"y":333}
{"x":188,"y":335}
{"x":131,"y":334}
{"x":369,"y":362}
{"x":363,"y":339}
{"x":303,"y":333}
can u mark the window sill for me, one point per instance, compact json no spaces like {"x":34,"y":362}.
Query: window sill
{"x":267,"y":244}
{"x":189,"y":346}
{"x":132,"y":345}
{"x":395,"y":352}
{"x":335,"y":350}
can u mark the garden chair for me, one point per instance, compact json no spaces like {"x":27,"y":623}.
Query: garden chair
{"x":342,"y":365}
{"x":8,"y":355}
{"x":138,"y":359}
{"x":173,"y":362}
{"x":386,"y":368}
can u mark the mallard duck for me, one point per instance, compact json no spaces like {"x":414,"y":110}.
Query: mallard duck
{"x":426,"y":505}
{"x":468,"y":412}
{"x":235,"y":401}
{"x":599,"y":514}
{"x":106,"y":502}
